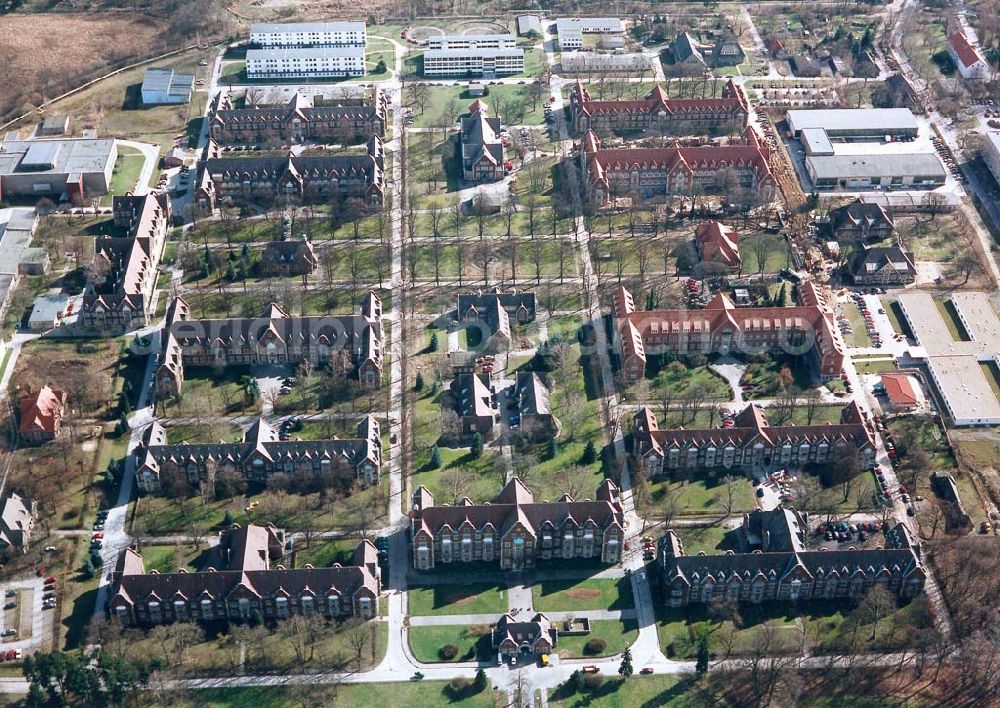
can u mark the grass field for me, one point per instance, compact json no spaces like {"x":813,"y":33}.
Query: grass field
{"x":589,"y":594}
{"x":616,"y":635}
{"x":473,"y":642}
{"x":458,"y":599}
{"x":359,"y":695}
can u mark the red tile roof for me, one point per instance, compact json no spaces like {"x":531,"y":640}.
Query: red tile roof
{"x":967,"y":54}
{"x":42,"y":411}
{"x":718,"y":242}
{"x":733,"y":100}
{"x":899,"y":389}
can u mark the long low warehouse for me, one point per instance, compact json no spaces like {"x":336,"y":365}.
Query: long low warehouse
{"x":860,"y":123}
{"x":886,"y":171}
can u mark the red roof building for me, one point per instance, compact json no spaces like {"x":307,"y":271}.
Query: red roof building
{"x":968,"y":60}
{"x":718,"y":243}
{"x":658,"y":113}
{"x":899,"y":389}
{"x":646,"y":173}
{"x":721,"y":327}
{"x":41,"y":415}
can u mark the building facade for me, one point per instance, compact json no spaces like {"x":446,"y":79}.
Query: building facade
{"x":473,"y":404}
{"x":659,"y":114}
{"x":122,"y":278}
{"x":752,"y":445}
{"x":482,"y":151}
{"x":474,"y":62}
{"x":513,"y":639}
{"x":570,"y":31}
{"x":259,"y":456}
{"x":718,"y":244}
{"x":309,"y":34}
{"x":493,"y":311}
{"x":781,"y":569}
{"x":41,"y":416}
{"x":651,"y":173}
{"x":968,"y":59}
{"x":17,"y":521}
{"x":245,"y":587}
{"x":289,"y":257}
{"x":991,"y":153}
{"x":517,"y":532}
{"x":861,"y":220}
{"x":76,"y":169}
{"x":297,"y":179}
{"x":272,"y":338}
{"x":720,"y":328}
{"x":300,"y":120}
{"x":164,"y":86}
{"x":886,"y":266}
{"x":305,"y":62}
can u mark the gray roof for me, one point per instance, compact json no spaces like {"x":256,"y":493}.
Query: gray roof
{"x":472,"y":396}
{"x":168,"y":81}
{"x":921,"y":164}
{"x":304,"y":52}
{"x":533,"y":395}
{"x":873,"y":120}
{"x":684,"y":47}
{"x":48,"y":307}
{"x":64,"y":156}
{"x":529,"y":23}
{"x":874,"y":260}
{"x":266,"y":27}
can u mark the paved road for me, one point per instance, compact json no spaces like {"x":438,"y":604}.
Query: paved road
{"x":151,"y":156}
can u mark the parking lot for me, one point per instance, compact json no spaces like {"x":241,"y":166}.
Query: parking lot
{"x":27,"y":617}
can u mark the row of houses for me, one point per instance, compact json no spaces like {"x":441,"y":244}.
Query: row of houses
{"x":259,"y":456}
{"x":659,"y":114}
{"x":122,"y":277}
{"x":296,"y":179}
{"x":775,"y":565}
{"x":245,"y":587}
{"x":273,"y":338}
{"x":304,"y":119}
{"x":650,"y":173}
{"x":751,"y":445}
{"x":516,"y":532}
{"x":720,"y":328}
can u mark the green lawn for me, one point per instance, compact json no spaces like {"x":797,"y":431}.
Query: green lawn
{"x":444,"y":104}
{"x":680,"y":380}
{"x":410,"y":694}
{"x":324,"y":552}
{"x":171,"y":558}
{"x":616,"y":634}
{"x":705,"y":494}
{"x":589,"y":594}
{"x":473,"y":642}
{"x":127,"y":168}
{"x":458,"y":599}
{"x":616,"y":692}
{"x":710,"y":539}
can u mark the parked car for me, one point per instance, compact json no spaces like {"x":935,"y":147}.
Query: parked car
{"x":590,"y":669}
{"x":50,"y":580}
{"x":9,"y":632}
{"x":645,"y":670}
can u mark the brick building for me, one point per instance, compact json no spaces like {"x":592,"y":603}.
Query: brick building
{"x":123,"y":275}
{"x":722,"y":328}
{"x":751,"y":445}
{"x":260,"y":455}
{"x":273,"y":338}
{"x":296,"y":179}
{"x":304,"y":119}
{"x":288,"y":257}
{"x":482,"y":151}
{"x":41,"y":415}
{"x":516,"y":531}
{"x":245,"y":586}
{"x":778,"y":567}
{"x":649,"y":173}
{"x":659,"y":114}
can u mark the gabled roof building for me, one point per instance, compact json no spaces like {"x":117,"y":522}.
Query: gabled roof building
{"x":123,"y":275}
{"x":968,"y":59}
{"x":883,"y":265}
{"x":535,"y":637}
{"x":301,"y":120}
{"x":516,"y":531}
{"x":17,"y":520}
{"x":259,"y":456}
{"x":781,"y":569}
{"x":41,"y":415}
{"x":752,"y":445}
{"x":718,"y":244}
{"x":492,"y":311}
{"x":860,"y":219}
{"x":650,"y":173}
{"x":721,"y":327}
{"x":245,"y":586}
{"x":273,"y":338}
{"x":482,"y":149}
{"x":659,"y":114}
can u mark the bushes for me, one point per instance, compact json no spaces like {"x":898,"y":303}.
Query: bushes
{"x":592,"y":682}
{"x":594,"y":647}
{"x":448,"y":652}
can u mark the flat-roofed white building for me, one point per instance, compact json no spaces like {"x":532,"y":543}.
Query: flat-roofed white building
{"x":830,"y":172}
{"x":855,"y":123}
{"x":75,"y":169}
{"x":570,"y":30}
{"x":991,"y":153}
{"x":455,"y":42}
{"x":478,"y":62}
{"x":591,"y":62}
{"x":959,"y":368}
{"x":305,"y":62}
{"x":309,"y":34}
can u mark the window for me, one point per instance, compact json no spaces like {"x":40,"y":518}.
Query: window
{"x":365,"y":604}
{"x":121,"y":613}
{"x":446,"y":550}
{"x":154,"y":612}
{"x":795,"y":588}
{"x":466,"y":549}
{"x":180,"y":609}
{"x":333,"y":604}
{"x":488,"y":548}
{"x":281,"y":606}
{"x":424,"y":557}
{"x":206,"y":609}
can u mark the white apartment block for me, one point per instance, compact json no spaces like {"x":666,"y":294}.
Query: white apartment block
{"x":991,"y":153}
{"x":455,"y":42}
{"x":316,"y":62}
{"x":570,"y":30}
{"x":309,"y":34}
{"x":479,"y":62}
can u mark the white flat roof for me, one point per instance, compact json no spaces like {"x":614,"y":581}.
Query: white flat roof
{"x":873,"y":120}
{"x":921,"y":164}
{"x":270,"y":27}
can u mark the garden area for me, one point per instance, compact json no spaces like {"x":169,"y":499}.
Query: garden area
{"x":458,"y":599}
{"x":577,"y":595}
